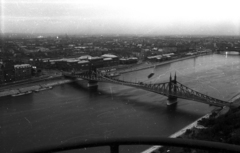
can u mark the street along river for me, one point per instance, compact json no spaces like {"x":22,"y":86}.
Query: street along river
{"x":70,"y":113}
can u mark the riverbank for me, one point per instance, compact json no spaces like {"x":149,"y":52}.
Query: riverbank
{"x":6,"y":90}
{"x":223,"y":127}
{"x":143,"y":66}
{"x":23,"y":82}
{"x":216,"y":112}
{"x":40,"y":85}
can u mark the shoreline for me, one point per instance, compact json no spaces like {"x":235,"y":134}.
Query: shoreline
{"x":37,"y":87}
{"x":18,"y":90}
{"x":182,"y":131}
{"x":161,"y":63}
{"x":63,"y":81}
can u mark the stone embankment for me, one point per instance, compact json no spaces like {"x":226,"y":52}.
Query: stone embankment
{"x":41,"y":85}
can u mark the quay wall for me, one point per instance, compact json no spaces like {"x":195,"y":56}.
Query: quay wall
{"x":161,"y":63}
{"x":56,"y":81}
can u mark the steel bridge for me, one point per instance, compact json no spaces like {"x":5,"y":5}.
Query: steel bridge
{"x":171,"y":89}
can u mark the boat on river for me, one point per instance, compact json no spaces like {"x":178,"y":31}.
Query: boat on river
{"x":22,"y":93}
{"x":43,"y":88}
{"x":151,"y":74}
{"x":18,"y":94}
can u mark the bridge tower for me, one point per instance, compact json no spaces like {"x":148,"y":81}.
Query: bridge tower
{"x":172,"y":89}
{"x":92,"y":84}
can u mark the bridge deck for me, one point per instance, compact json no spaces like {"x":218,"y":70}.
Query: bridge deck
{"x":167,"y":89}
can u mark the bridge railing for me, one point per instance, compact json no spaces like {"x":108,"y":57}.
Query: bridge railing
{"x":200,"y":95}
{"x":161,"y":88}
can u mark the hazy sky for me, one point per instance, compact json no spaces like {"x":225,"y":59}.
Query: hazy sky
{"x":221,"y":17}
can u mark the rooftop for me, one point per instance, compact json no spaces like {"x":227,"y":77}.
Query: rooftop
{"x":109,"y":56}
{"x":22,"y":65}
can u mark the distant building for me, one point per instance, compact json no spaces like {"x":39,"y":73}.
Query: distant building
{"x":131,"y":60}
{"x":110,"y":60}
{"x":109,"y":56}
{"x":68,"y":64}
{"x":156,"y":58}
{"x":169,"y":49}
{"x":83,"y":65}
{"x":22,"y":71}
{"x":95,"y":62}
{"x":85,"y":57}
{"x":1,"y":74}
{"x":8,"y":70}
{"x":72,"y":64}
{"x":9,"y":75}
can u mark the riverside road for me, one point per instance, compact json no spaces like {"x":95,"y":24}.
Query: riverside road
{"x":70,"y":113}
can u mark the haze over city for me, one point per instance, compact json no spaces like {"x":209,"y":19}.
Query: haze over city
{"x":152,"y":17}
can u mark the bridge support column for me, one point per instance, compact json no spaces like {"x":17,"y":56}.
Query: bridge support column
{"x":172,"y":89}
{"x":171,"y":100}
{"x":92,"y":85}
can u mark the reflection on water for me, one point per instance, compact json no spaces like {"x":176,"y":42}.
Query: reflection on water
{"x":71,"y":113}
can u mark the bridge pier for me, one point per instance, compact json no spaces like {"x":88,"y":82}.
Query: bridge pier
{"x":92,"y":85}
{"x":171,"y":100}
{"x":172,"y":89}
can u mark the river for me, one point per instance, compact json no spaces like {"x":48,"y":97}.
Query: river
{"x":70,"y":113}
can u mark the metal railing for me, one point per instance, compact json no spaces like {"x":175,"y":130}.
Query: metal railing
{"x":116,"y":142}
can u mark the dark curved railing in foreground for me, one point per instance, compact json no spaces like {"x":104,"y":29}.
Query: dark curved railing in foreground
{"x":115,"y":143}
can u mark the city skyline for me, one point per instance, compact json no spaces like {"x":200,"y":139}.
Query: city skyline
{"x":107,"y":17}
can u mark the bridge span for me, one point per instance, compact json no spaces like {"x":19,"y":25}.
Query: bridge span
{"x":172,"y":89}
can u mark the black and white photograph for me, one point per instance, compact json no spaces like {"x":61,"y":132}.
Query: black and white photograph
{"x":119,"y":76}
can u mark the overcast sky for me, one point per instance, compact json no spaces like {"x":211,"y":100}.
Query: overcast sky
{"x":207,"y":17}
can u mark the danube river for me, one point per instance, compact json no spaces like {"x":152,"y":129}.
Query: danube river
{"x":70,"y":113}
